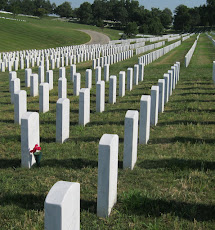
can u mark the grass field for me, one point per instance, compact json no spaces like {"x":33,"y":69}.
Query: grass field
{"x":44,"y":33}
{"x":172,"y":184}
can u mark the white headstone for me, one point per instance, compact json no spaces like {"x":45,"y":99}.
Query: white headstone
{"x":34,"y":85}
{"x":98,"y":73}
{"x":12,"y":75}
{"x":62,"y":87}
{"x":112,"y":90}
{"x":62,"y":207}
{"x":44,"y":97}
{"x":213,"y":75}
{"x":145,"y":110}
{"x":77,"y":84}
{"x":62,"y":120}
{"x":141,"y":72}
{"x":136,"y":74}
{"x":161,"y":84}
{"x":62,"y":72}
{"x":130,"y":139}
{"x":166,"y":88}
{"x":106,"y":72}
{"x":122,"y":83}
{"x":49,"y":78}
{"x":154,"y":104}
{"x":20,"y":105}
{"x":100,"y":96}
{"x":129,"y":78}
{"x":28,"y":73}
{"x":15,"y":86}
{"x":84,"y":106}
{"x":88,"y":80}
{"x":30,"y":136}
{"x":41,"y":74}
{"x":107,"y":174}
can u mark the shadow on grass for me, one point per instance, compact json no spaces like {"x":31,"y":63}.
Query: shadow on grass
{"x":185,"y":94}
{"x":70,"y":163}
{"x":186,"y":123}
{"x":103,"y":122}
{"x":25,"y":201}
{"x":10,"y":163}
{"x":139,"y":204}
{"x":191,"y":110}
{"x":90,"y":206}
{"x":7,"y":121}
{"x":182,"y":140}
{"x":177,"y":164}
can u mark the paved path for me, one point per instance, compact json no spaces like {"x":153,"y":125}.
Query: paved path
{"x":96,"y":37}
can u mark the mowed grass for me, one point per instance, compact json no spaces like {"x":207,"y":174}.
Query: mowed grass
{"x":172,"y":184}
{"x":44,"y":33}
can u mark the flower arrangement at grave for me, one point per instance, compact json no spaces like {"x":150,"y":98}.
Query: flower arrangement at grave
{"x":37,"y":154}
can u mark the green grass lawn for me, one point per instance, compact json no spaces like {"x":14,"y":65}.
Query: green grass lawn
{"x":44,"y":33}
{"x":172,"y":184}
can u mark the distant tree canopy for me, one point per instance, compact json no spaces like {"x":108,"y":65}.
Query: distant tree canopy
{"x":122,"y":13}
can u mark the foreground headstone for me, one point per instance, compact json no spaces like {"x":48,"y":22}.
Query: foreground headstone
{"x":41,"y":74}
{"x":15,"y":86}
{"x":20,"y":105}
{"x":62,"y":207}
{"x":88,"y":80}
{"x":154,"y":105}
{"x":62,"y":72}
{"x":84,"y":106}
{"x":34,"y":85}
{"x":141,"y":72}
{"x":62,"y":87}
{"x":100,"y":96}
{"x":130,"y":139}
{"x":28,"y":73}
{"x":136,"y":74}
{"x":77,"y":84}
{"x":49,"y":78}
{"x":62,"y":120}
{"x":129,"y":78}
{"x":107,"y":174}
{"x":98,"y":73}
{"x":44,"y":97}
{"x":145,"y":110}
{"x":122,"y":83}
{"x":30,"y":136}
{"x":161,"y":84}
{"x":12,"y":76}
{"x":213,"y":77}
{"x":112,"y":90}
{"x":106,"y":72}
{"x":166,"y":88}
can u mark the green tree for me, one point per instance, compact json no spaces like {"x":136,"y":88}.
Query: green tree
{"x":155,"y":26}
{"x":182,"y":18}
{"x":166,"y":18}
{"x":64,"y":10}
{"x":131,"y":29}
{"x":84,"y":12}
{"x":3,"y":4}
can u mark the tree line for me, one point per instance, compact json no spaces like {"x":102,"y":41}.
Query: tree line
{"x":125,"y":14}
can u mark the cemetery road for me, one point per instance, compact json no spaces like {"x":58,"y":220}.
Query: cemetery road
{"x":96,"y":37}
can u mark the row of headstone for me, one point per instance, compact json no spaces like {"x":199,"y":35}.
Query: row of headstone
{"x":213,"y":73}
{"x":112,"y":59}
{"x":210,"y":37}
{"x":152,"y":56}
{"x":149,"y":47}
{"x":59,"y":57}
{"x":174,"y":38}
{"x":189,"y":55}
{"x":65,"y":196}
